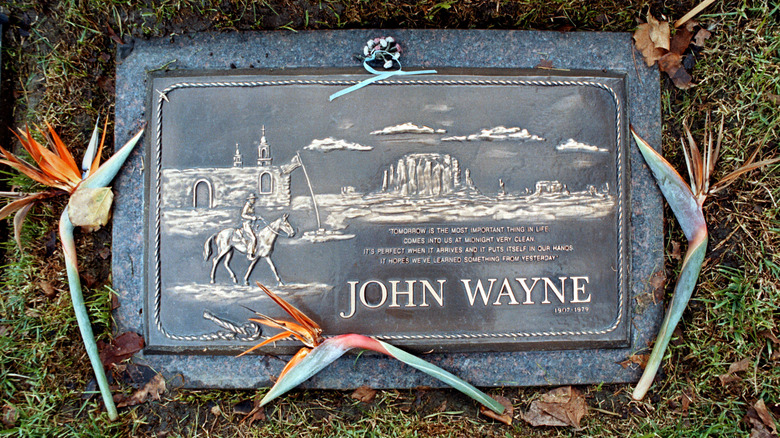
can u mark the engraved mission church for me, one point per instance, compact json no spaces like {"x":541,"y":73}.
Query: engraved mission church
{"x":229,"y":187}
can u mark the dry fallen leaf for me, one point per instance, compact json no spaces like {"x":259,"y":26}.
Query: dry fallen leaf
{"x":256,"y":414}
{"x":47,"y":288}
{"x":742,"y":365}
{"x":652,"y":39}
{"x":10,"y":416}
{"x":121,"y":348}
{"x":638,"y":359}
{"x":734,"y":368}
{"x":364,"y":394}
{"x":508,"y":414}
{"x":701,"y":36}
{"x":682,"y":38}
{"x":771,"y":336}
{"x":671,"y":64}
{"x":563,"y":406}
{"x":658,"y":283}
{"x":687,"y":399}
{"x":90,"y":208}
{"x":544,"y":63}
{"x":676,"y":253}
{"x":150,"y":391}
{"x":761,"y":421}
{"x":765,"y":415}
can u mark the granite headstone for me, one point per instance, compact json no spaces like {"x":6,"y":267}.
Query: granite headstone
{"x":493,"y":214}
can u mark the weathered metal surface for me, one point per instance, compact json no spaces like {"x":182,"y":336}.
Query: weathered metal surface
{"x":526,"y":344}
{"x":457,"y":212}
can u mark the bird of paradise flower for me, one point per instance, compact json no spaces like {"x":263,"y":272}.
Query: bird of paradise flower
{"x":686,"y":202}
{"x":318,"y":352}
{"x":88,"y":206}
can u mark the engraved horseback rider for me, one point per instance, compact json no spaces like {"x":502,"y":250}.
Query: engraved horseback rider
{"x":248,"y":218}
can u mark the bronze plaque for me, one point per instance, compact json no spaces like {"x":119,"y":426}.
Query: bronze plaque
{"x":468,"y":210}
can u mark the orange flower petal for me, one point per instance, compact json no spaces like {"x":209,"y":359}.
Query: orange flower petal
{"x":20,"y":203}
{"x":303,"y":352}
{"x":62,"y":150}
{"x":96,"y":161}
{"x":299,"y":316}
{"x":42,"y":157}
{"x":57,"y":167}
{"x":274,"y":338}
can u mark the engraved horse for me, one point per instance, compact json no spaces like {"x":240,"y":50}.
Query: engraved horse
{"x":231,"y":238}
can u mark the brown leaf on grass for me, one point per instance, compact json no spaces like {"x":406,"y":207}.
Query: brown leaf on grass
{"x":676,"y":253}
{"x":701,"y":36}
{"x":657,"y":282}
{"x":121,"y":348}
{"x":742,"y":365}
{"x":104,"y":253}
{"x":637,"y":359}
{"x":18,"y":221}
{"x":114,"y":36}
{"x":734,"y":368}
{"x":364,"y":394}
{"x":563,"y":406}
{"x":682,"y":39}
{"x":508,"y":414}
{"x":775,"y":351}
{"x":150,"y":391}
{"x":765,"y":416}
{"x":687,"y":399}
{"x":671,"y":64}
{"x":47,"y":288}
{"x":771,"y":336}
{"x":652,"y":39}
{"x":10,"y":416}
{"x":677,"y":337}
{"x":106,"y":83}
{"x":761,"y":421}
{"x":774,"y":98}
{"x":256,"y":414}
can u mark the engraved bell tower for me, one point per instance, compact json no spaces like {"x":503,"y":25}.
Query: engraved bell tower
{"x":237,"y":161}
{"x":263,"y":152}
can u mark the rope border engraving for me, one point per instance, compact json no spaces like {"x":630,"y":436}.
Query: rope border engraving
{"x":251,"y":332}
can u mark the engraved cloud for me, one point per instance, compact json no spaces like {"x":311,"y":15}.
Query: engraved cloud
{"x":573,"y":145}
{"x":331,"y":144}
{"x":408,"y":128}
{"x":498,"y":133}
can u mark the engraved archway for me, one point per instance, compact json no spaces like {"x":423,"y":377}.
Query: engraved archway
{"x":209,"y":188}
{"x":266,"y":183}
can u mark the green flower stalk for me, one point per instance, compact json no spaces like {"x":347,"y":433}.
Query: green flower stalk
{"x":686,"y":203}
{"x":318,"y":353}
{"x":89,"y":207}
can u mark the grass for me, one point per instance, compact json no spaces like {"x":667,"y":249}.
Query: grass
{"x":59,"y":66}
